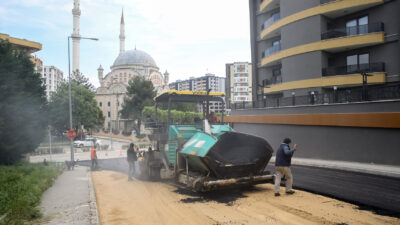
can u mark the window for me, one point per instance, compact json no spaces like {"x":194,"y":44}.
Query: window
{"x":355,"y":63}
{"x":100,"y":104}
{"x":109,"y":114}
{"x":276,"y":72}
{"x":357,"y":26}
{"x":108,"y":104}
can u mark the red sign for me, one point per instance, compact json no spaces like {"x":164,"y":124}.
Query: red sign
{"x":71,"y":134}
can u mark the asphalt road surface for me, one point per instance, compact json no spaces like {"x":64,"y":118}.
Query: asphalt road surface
{"x":372,"y":192}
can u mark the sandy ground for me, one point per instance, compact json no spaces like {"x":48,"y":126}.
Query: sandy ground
{"x":141,"y":202}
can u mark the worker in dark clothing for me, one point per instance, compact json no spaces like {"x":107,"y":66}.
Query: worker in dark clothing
{"x":283,"y":160}
{"x":132,"y":158}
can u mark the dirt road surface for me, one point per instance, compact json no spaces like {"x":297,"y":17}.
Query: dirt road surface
{"x":140,"y":202}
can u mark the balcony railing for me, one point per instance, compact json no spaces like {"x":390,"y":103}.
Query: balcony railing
{"x":326,"y":1}
{"x":355,"y":30}
{"x":272,"y":50}
{"x":351,"y":69}
{"x":375,"y":93}
{"x":271,"y":20}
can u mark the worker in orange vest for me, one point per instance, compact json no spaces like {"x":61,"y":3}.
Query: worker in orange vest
{"x":93,"y":157}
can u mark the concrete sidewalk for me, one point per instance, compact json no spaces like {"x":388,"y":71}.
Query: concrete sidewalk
{"x":71,"y":199}
{"x":369,"y":168}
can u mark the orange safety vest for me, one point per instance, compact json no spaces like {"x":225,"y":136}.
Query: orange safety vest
{"x":93,"y":154}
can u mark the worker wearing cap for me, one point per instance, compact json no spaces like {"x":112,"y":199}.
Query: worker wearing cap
{"x":93,"y":157}
{"x":283,"y":160}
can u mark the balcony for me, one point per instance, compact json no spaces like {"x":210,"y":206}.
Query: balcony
{"x":326,"y":1}
{"x":272,"y":50}
{"x":355,"y":30}
{"x":334,"y":9}
{"x":352,"y":69}
{"x":268,"y":5}
{"x":275,"y":17}
{"x":273,"y":80}
{"x":330,"y":45}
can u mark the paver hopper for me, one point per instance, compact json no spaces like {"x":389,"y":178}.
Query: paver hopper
{"x":207,"y":157}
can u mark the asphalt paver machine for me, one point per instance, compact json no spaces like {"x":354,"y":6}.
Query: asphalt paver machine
{"x":204,"y":156}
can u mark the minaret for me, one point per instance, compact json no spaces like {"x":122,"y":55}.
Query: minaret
{"x":166,"y":77}
{"x":76,"y":12}
{"x":100,"y":75}
{"x":122,"y":34}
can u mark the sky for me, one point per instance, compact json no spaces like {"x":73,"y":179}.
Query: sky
{"x":186,"y":37}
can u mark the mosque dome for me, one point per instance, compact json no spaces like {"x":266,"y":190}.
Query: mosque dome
{"x":134,"y":57}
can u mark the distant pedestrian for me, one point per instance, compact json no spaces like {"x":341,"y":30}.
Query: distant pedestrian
{"x":131,"y":156}
{"x":283,"y":160}
{"x":93,"y":157}
{"x":45,"y":162}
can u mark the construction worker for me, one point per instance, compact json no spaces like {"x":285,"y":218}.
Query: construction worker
{"x":131,"y":158}
{"x":283,"y":160}
{"x":93,"y":157}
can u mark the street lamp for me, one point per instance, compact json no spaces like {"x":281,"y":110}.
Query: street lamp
{"x":69,"y":92}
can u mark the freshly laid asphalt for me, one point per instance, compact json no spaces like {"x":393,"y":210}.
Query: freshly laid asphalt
{"x":372,"y":192}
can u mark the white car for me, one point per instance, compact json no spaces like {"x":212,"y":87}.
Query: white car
{"x":87,"y":142}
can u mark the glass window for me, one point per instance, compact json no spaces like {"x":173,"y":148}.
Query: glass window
{"x":108,"y":103}
{"x":363,"y":25}
{"x":109,"y":114}
{"x":351,"y":27}
{"x":363,"y":59}
{"x":351,"y":63}
{"x":352,"y":60}
{"x":100,"y":104}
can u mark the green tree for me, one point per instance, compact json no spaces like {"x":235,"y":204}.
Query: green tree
{"x":23,"y":105}
{"x":85,"y":110}
{"x":80,"y":79}
{"x":140,"y":93}
{"x":180,"y":106}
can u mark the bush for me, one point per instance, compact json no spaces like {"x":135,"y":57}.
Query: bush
{"x":141,"y":136}
{"x":126,"y":133}
{"x":21,"y":187}
{"x":177,"y":117}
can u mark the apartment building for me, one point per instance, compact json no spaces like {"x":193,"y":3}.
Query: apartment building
{"x":207,"y":82}
{"x":238,"y":82}
{"x":52,"y":78}
{"x":309,"y":47}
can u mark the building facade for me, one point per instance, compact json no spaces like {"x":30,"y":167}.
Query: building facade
{"x":52,"y":78}
{"x":113,"y":86}
{"x":207,"y":82}
{"x":320,"y":47}
{"x":238,"y":82}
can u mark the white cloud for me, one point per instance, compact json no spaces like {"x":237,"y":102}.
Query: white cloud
{"x":185,"y":37}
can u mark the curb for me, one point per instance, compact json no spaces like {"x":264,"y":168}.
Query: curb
{"x":365,"y":168}
{"x":94,"y":220}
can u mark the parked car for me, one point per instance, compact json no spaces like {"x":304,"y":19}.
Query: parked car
{"x":87,"y":142}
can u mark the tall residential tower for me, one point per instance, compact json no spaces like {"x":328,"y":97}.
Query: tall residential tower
{"x":321,"y":47}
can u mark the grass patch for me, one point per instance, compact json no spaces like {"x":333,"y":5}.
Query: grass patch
{"x":21,"y":187}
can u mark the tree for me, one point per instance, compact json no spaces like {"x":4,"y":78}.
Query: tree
{"x":23,"y":105}
{"x":140,"y":93}
{"x":85,"y":110}
{"x":80,"y":79}
{"x":180,"y":106}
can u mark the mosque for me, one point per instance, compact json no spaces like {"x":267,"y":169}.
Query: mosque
{"x":113,"y":86}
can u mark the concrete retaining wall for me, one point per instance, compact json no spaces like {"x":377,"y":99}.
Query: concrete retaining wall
{"x":370,"y":145}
